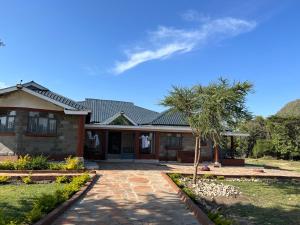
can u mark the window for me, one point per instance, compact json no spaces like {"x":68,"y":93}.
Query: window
{"x":174,"y":141}
{"x":42,"y":123}
{"x":7,"y":121}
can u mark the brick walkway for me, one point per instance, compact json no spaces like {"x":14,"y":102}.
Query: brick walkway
{"x":129,"y":194}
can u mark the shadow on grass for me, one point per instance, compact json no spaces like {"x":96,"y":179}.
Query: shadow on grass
{"x":247,"y":213}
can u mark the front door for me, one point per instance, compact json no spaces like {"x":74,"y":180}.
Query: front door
{"x":114,"y":142}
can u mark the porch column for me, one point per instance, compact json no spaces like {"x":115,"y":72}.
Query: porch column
{"x":216,"y":154}
{"x":80,"y":136}
{"x":157,"y":144}
{"x":137,"y":144}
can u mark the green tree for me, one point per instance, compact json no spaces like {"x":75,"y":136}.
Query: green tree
{"x":285,"y":136}
{"x":210,"y":110}
{"x":257,"y":130}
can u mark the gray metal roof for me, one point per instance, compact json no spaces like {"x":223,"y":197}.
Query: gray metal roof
{"x":102,"y":110}
{"x":170,"y":118}
{"x":59,"y":98}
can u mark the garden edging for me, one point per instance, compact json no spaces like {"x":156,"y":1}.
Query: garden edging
{"x":198,"y":213}
{"x":54,"y":214}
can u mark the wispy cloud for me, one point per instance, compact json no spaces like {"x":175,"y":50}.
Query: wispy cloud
{"x":165,"y":42}
{"x":3,"y":85}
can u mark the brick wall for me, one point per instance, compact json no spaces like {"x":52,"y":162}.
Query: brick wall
{"x":188,"y":144}
{"x":59,"y":146}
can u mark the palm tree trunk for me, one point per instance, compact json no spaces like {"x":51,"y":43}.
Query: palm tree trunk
{"x":196,"y":159}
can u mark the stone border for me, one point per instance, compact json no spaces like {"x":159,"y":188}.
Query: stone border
{"x":198,"y":213}
{"x":258,"y":175}
{"x":55,"y":213}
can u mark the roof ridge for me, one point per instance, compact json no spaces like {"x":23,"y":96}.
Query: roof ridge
{"x":108,"y":100}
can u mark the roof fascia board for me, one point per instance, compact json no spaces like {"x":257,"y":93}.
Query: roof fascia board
{"x":142,"y":128}
{"x":72,"y":112}
{"x":7,"y":90}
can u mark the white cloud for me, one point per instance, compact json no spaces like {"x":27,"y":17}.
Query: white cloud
{"x":167,"y":41}
{"x":3,"y":85}
{"x":193,"y":15}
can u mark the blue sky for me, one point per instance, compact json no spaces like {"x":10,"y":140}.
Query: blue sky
{"x":136,"y":50}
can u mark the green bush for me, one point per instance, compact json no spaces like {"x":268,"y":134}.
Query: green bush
{"x":73,"y":163}
{"x":56,"y":166}
{"x":62,"y":179}
{"x":23,"y":163}
{"x":220,"y":177}
{"x":47,"y":202}
{"x":38,"y":163}
{"x":262,"y":148}
{"x":7,"y":165}
{"x":4,"y":179}
{"x":27,"y":180}
{"x":208,"y":176}
{"x":218,"y":219}
{"x":190,"y":193}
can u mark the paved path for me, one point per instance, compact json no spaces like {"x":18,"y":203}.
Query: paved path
{"x":129,"y":194}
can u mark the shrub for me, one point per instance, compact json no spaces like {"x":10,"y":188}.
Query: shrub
{"x":262,"y":147}
{"x":62,"y":179}
{"x":208,"y":176}
{"x":220,"y":177}
{"x":47,"y":202}
{"x":7,"y":165}
{"x":23,"y":162}
{"x":73,"y":163}
{"x":27,"y":180}
{"x":218,"y":219}
{"x":56,"y":166}
{"x":34,"y":214}
{"x":38,"y":163}
{"x":4,"y":179}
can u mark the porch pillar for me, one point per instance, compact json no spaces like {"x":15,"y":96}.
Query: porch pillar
{"x":216,"y":154}
{"x":157,"y":144}
{"x":80,"y":136}
{"x":137,"y":144}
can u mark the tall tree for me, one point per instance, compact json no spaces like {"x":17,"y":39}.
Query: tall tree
{"x":210,"y":110}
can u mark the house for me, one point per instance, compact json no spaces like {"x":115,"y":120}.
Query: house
{"x":34,"y":120}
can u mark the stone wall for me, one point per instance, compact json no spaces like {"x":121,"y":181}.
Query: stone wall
{"x":188,"y":144}
{"x":58,"y":146}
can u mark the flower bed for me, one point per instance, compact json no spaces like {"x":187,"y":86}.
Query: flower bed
{"x":244,"y":200}
{"x":28,"y":202}
{"x":27,"y":162}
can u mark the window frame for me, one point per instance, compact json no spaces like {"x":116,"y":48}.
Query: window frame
{"x":35,"y":131}
{"x":7,"y":117}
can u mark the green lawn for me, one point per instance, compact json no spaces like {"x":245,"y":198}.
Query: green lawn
{"x":265,"y":203}
{"x":274,"y":163}
{"x":16,"y":200}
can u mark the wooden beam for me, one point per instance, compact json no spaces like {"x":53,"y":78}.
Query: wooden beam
{"x":80,"y":136}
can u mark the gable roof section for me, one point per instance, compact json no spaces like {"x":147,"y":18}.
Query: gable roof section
{"x":47,"y":95}
{"x":103,"y":110}
{"x":170,"y":118}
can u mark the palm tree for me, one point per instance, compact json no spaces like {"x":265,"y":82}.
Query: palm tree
{"x":210,"y":110}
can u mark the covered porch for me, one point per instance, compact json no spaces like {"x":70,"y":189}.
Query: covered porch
{"x":121,"y":144}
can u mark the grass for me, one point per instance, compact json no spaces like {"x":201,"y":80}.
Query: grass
{"x":16,"y":200}
{"x":273,"y":203}
{"x":275,"y":164}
